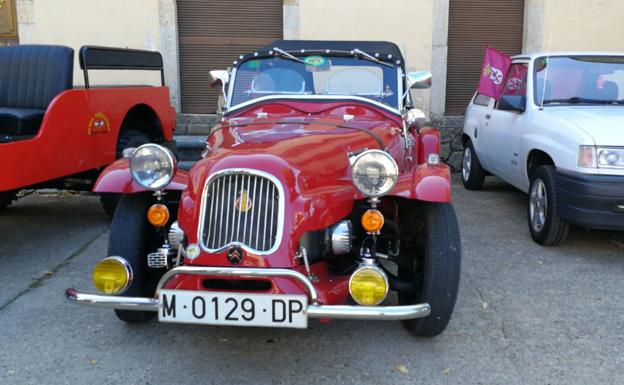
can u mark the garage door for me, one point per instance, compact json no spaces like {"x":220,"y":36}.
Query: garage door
{"x":212,"y":33}
{"x":473,"y":25}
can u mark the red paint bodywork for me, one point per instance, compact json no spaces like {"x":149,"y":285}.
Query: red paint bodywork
{"x":117,"y":179}
{"x":63,"y":145}
{"x":305,"y":145}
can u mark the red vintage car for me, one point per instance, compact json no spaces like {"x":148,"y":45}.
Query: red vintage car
{"x":53,"y":135}
{"x":318,"y":194}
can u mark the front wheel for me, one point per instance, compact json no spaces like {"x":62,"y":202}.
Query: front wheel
{"x":546,"y":226}
{"x":6,"y":198}
{"x":431,"y":258}
{"x":132,"y":238}
{"x":473,"y":175}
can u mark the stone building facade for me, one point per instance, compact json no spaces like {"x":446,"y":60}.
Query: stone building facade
{"x":428,"y":31}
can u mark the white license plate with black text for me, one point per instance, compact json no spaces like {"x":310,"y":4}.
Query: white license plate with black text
{"x":236,"y":309}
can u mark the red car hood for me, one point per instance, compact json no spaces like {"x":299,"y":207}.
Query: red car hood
{"x":313,"y":149}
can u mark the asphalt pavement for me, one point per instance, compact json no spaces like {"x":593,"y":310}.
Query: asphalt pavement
{"x":525,"y":314}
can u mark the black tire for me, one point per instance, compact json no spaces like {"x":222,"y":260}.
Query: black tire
{"x":132,"y":238}
{"x":545,"y":224}
{"x":130,"y":138}
{"x":109,"y":203}
{"x":431,"y":258}
{"x":6,"y":198}
{"x":473,"y":175}
{"x":127,"y":139}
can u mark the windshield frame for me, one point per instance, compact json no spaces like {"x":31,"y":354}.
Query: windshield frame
{"x":401,"y":102}
{"x":537,"y":98}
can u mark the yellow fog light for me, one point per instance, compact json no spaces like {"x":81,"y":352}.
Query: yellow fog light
{"x":368,"y":285}
{"x":372,"y":220}
{"x":112,"y":275}
{"x":158,"y":215}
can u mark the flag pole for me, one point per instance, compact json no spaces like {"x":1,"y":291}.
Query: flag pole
{"x":546,"y":73}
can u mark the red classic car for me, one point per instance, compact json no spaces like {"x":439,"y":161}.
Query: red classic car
{"x":53,"y":135}
{"x":318,"y":194}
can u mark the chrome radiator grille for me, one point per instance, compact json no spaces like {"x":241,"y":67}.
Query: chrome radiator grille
{"x":242,"y":207}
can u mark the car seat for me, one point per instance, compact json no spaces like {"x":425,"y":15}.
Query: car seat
{"x":30,"y":77}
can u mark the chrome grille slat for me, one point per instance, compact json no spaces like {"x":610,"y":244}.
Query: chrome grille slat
{"x":239,"y":215}
{"x":211,"y":210}
{"x":272,"y":207}
{"x":231,"y":239}
{"x":227,"y":218}
{"x":266,"y":210}
{"x":258,"y":226}
{"x":253,"y":219}
{"x":246,"y":212}
{"x":220,"y":208}
{"x":230,"y":219}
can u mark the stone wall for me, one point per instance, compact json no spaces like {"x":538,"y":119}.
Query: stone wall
{"x":451,"y":132}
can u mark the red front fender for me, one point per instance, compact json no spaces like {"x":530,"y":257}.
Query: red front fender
{"x":428,"y":143}
{"x":425,"y":183}
{"x":116,"y":178}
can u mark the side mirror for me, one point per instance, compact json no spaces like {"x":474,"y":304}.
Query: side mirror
{"x":415,"y":117}
{"x":512,"y":103}
{"x":419,"y":80}
{"x":219,"y":77}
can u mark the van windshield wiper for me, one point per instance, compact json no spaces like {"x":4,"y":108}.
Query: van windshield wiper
{"x":286,"y":55}
{"x":359,"y":53}
{"x":580,"y":100}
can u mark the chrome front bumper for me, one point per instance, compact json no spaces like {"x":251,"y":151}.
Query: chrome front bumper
{"x":314,"y":310}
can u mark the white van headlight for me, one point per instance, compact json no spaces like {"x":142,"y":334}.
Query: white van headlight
{"x":601,"y":157}
{"x":612,"y":157}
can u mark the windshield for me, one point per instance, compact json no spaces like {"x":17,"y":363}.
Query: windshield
{"x":579,"y":79}
{"x":315,"y":75}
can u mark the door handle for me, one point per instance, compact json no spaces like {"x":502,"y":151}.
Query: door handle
{"x":488,"y":116}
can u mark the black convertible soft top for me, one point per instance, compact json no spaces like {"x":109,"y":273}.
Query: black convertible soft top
{"x":384,"y":50}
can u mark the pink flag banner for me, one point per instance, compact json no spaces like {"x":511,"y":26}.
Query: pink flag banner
{"x":515,"y":83}
{"x":493,"y":73}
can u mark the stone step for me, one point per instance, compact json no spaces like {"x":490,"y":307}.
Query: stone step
{"x":186,"y":164}
{"x":193,"y":129}
{"x":196,"y":118}
{"x":190,"y":147}
{"x":195,"y":124}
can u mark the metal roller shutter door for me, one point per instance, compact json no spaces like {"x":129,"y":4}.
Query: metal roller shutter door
{"x":211,"y":34}
{"x":474,"y":24}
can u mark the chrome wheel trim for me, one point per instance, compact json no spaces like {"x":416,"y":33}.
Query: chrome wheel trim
{"x":466,"y":164}
{"x":538,"y":205}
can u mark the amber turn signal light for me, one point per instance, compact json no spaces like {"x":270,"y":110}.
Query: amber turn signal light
{"x":372,"y":220}
{"x":158,"y":215}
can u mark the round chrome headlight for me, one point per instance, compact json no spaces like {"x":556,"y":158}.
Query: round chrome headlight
{"x":374,"y":173}
{"x":152,"y":166}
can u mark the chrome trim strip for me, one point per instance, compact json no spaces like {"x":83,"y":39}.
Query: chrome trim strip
{"x":387,"y":313}
{"x":280,"y":218}
{"x":239,"y":272}
{"x":112,"y":301}
{"x":314,"y":310}
{"x":314,"y":97}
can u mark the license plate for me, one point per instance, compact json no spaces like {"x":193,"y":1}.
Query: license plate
{"x":236,"y":309}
